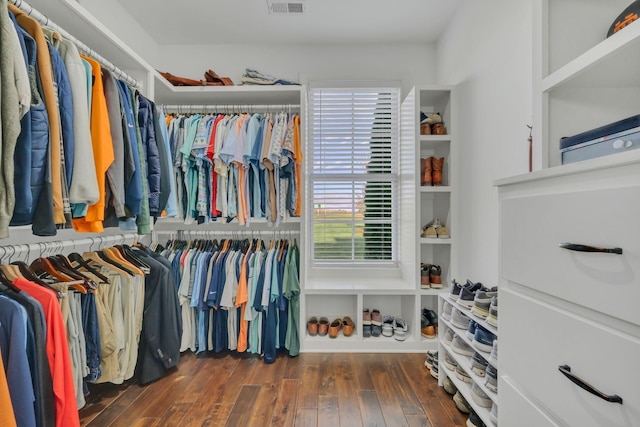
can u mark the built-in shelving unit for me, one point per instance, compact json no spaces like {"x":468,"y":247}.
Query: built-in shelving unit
{"x":582,"y":79}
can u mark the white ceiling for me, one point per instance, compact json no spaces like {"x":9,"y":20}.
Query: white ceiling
{"x":323,"y":22}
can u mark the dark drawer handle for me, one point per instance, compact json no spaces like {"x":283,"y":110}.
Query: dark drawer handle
{"x":587,"y":248}
{"x":566,"y":371}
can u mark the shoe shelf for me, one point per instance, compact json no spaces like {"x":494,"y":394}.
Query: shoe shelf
{"x":437,"y":189}
{"x":463,"y":335}
{"x":465,"y":363}
{"x":428,"y":241}
{"x":427,"y":139}
{"x":465,"y":389}
{"x":433,"y":291}
{"x":470,"y":315}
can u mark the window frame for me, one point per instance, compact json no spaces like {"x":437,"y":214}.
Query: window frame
{"x":393,"y":178}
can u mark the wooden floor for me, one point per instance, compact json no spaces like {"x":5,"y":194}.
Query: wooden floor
{"x":309,"y":390}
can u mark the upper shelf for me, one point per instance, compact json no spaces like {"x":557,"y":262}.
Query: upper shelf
{"x":166,"y":93}
{"x":80,"y":23}
{"x":614,"y":62}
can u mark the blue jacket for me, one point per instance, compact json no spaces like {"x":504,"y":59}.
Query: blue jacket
{"x":65,"y":105}
{"x":151,"y":154}
{"x":133,"y":178}
{"x":32,"y":189}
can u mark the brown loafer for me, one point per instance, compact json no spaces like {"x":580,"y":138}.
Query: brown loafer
{"x":323,"y":326}
{"x":347,"y":326}
{"x":212,"y":77}
{"x":312,"y":326}
{"x":180,"y":81}
{"x":334,"y":329}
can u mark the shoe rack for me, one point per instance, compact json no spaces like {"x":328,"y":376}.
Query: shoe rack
{"x":435,"y":201}
{"x":464,"y":362}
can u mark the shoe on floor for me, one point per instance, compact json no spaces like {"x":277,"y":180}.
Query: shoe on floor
{"x":461,"y":403}
{"x":428,"y":362}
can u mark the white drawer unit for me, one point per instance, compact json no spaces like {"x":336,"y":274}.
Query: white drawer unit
{"x":569,"y":319}
{"x":534,"y":228}
{"x":548,"y":340}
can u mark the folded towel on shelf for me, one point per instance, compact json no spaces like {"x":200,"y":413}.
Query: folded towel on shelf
{"x":255,"y":77}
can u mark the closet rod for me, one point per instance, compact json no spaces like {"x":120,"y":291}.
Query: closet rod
{"x":56,"y":246}
{"x":227,"y":107}
{"x":42,"y":19}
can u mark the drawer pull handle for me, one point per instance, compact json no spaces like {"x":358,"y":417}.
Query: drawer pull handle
{"x":587,"y":248}
{"x":566,"y":371}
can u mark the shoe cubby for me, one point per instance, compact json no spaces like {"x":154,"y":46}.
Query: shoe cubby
{"x":439,"y":149}
{"x":432,"y":101}
{"x":435,"y":205}
{"x":402,"y":306}
{"x":437,"y":254}
{"x":332,"y":307}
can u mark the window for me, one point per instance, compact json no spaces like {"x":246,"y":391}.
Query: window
{"x":354,"y":174}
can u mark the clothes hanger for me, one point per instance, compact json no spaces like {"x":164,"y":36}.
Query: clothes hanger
{"x":76,"y":257}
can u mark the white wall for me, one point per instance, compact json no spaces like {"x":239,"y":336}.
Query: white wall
{"x":486,"y":51}
{"x":118,"y":20}
{"x":412,"y":64}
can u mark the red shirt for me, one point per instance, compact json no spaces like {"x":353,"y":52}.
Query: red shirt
{"x":57,"y":353}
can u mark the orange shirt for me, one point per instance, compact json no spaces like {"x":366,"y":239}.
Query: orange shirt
{"x":57,"y":353}
{"x":7,"y":417}
{"x":102,"y":150}
{"x":241,"y":301}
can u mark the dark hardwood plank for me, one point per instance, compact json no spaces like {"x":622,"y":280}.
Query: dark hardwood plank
{"x":293,"y":368}
{"x":216,"y":417}
{"x":310,"y":383}
{"x":230,"y":391}
{"x":349,"y":405}
{"x":263,"y":406}
{"x":418,"y":421}
{"x":370,"y":409}
{"x":327,"y":375}
{"x":401,"y":387}
{"x":242,"y":410}
{"x":285,"y":409}
{"x":388,"y":399}
{"x":306,"y":417}
{"x":175,"y":414}
{"x":328,"y":411}
{"x":361,"y":365}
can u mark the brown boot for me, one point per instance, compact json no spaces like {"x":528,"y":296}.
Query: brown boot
{"x":425,"y":171}
{"x":437,"y":164}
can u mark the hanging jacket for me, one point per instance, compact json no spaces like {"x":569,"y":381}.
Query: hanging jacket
{"x":133,"y":178}
{"x":65,"y":104}
{"x":46,"y":78}
{"x":115,"y":173}
{"x":150,"y":153}
{"x":102,"y":151}
{"x":83,"y":187}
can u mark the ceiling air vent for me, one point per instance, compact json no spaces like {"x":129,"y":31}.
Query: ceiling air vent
{"x":296,"y":7}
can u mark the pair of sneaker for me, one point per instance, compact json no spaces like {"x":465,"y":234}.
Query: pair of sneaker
{"x":394,"y":327}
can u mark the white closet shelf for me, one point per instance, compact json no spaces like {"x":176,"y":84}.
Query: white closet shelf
{"x":428,"y":241}
{"x":465,"y":390}
{"x":166,"y":93}
{"x":80,"y":23}
{"x":435,"y":138}
{"x":438,"y":189}
{"x":611,"y":63}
